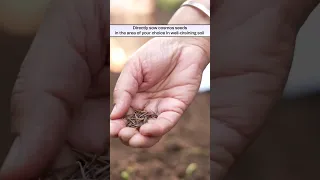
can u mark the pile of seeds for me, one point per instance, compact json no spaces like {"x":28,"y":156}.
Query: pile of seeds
{"x":138,"y":118}
{"x":88,"y":167}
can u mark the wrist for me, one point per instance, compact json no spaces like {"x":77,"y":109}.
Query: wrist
{"x":197,"y":44}
{"x":203,"y":44}
{"x":191,"y":15}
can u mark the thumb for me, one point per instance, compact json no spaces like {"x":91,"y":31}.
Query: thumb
{"x":126,"y":87}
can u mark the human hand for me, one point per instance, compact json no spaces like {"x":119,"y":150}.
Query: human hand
{"x":163,"y":76}
{"x":253,"y":44}
{"x":61,"y":96}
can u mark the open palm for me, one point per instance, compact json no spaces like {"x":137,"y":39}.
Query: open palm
{"x":163,"y":76}
{"x":246,"y":83}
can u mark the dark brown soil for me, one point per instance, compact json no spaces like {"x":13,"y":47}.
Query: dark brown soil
{"x":186,"y":145}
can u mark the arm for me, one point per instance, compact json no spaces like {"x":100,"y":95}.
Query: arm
{"x":191,"y":15}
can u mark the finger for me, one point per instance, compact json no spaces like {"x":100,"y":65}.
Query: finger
{"x":100,"y":84}
{"x":90,"y":127}
{"x":141,"y":141}
{"x":115,"y":127}
{"x":52,"y":82}
{"x":126,"y":134}
{"x":118,"y":124}
{"x":126,"y":88}
{"x":65,"y":158}
{"x":163,"y":124}
{"x":151,"y":129}
{"x":131,"y":137}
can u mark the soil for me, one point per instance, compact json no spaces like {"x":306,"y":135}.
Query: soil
{"x":188,"y":144}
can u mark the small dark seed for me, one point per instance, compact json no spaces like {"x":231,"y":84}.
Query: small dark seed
{"x":138,"y":118}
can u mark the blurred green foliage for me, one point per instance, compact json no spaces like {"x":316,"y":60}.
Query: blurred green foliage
{"x":190,"y":169}
{"x":169,"y":5}
{"x":125,"y":175}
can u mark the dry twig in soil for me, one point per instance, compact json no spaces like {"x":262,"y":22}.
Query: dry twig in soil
{"x":88,"y":167}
